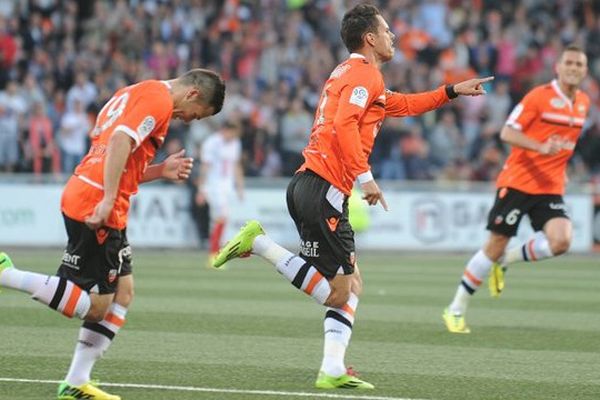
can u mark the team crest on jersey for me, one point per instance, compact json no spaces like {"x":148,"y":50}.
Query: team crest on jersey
{"x":557,"y":102}
{"x":112,"y":275}
{"x":146,"y":126}
{"x":581,"y":109}
{"x":359,"y":96}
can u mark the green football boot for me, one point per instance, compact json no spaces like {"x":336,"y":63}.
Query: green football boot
{"x":347,"y":381}
{"x":496,"y":280}
{"x":240,"y":245}
{"x":455,"y":323}
{"x":86,"y":391}
{"x":5,"y":262}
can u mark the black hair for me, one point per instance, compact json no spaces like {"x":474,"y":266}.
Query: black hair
{"x":359,"y":20}
{"x":209,"y":83}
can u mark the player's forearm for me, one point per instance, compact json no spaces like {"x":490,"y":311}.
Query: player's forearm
{"x":519,"y":139}
{"x":119,"y":149}
{"x":403,"y":105}
{"x":153,"y":172}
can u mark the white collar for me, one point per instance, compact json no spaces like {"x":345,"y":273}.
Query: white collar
{"x":561,"y":94}
{"x":356,"y":55}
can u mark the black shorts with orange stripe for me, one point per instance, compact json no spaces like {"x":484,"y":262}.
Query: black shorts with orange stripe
{"x":320,"y":212}
{"x":511,"y":205}
{"x":94,"y":260}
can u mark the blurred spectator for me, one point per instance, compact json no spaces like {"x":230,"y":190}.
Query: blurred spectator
{"x":274,"y":52}
{"x":295,"y":130}
{"x":446,"y":140}
{"x":44,"y":150}
{"x":73,"y":133}
{"x":83,"y":92}
{"x":415,"y":153}
{"x":12,"y":109}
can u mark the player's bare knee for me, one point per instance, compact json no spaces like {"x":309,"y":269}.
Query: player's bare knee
{"x":495,"y":246}
{"x":124,"y":297}
{"x":96,"y":313}
{"x":357,"y":285}
{"x":125,"y":291}
{"x":337,"y":299}
{"x":560,"y":245}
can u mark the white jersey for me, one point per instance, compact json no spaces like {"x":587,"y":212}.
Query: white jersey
{"x":222,"y":158}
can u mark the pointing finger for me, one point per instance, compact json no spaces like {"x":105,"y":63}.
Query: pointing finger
{"x":383,"y":203}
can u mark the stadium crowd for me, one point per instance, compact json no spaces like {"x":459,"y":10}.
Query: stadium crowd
{"x":61,"y":60}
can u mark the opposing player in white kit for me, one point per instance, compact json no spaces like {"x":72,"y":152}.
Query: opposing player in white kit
{"x":221,"y":175}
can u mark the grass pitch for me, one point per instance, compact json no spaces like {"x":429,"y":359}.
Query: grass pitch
{"x":246,"y":333}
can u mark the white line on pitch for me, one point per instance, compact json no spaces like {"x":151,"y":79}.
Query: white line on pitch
{"x":218,"y":390}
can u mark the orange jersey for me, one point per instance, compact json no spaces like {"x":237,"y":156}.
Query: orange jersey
{"x":543,"y":113}
{"x":142,"y":111}
{"x":352,"y":107}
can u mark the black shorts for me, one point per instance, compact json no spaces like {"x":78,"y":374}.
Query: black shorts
{"x":320,"y":212}
{"x":94,"y":260}
{"x":511,"y":204}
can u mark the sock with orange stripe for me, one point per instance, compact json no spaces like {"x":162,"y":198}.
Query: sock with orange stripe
{"x":338,"y":330}
{"x":59,"y":294}
{"x":477,"y":270}
{"x":94,"y":340}
{"x":302,"y":275}
{"x":535,"y":249}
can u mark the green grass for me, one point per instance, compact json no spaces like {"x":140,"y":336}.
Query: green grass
{"x":246,"y":328}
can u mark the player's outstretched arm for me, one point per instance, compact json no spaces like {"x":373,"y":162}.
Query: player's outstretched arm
{"x":472,"y":87}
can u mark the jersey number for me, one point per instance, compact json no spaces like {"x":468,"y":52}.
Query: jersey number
{"x":114,"y":109}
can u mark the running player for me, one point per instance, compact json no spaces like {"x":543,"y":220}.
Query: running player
{"x":543,"y":130}
{"x":352,"y":107}
{"x":94,"y":281}
{"x":220,"y":175}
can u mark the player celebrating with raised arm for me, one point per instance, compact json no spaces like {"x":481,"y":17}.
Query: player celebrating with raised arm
{"x":352,"y":107}
{"x":543,"y":130}
{"x":94,"y":281}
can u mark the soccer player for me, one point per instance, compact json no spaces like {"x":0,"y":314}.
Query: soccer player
{"x":220,"y":174}
{"x":352,"y":107}
{"x":94,"y":281}
{"x":542,"y":130}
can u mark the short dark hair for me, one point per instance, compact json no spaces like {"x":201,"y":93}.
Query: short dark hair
{"x":573,"y":47}
{"x":210,"y":84}
{"x":359,"y":20}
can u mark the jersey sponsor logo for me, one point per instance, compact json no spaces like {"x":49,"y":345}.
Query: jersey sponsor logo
{"x":558,"y":206}
{"x":557,"y":102}
{"x":359,"y":96}
{"x":309,"y":248}
{"x":71,"y":260}
{"x":146,"y":127}
{"x":332,"y":223}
